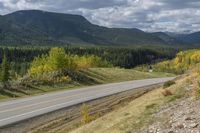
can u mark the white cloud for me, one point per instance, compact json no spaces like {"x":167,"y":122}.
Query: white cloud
{"x":13,"y":5}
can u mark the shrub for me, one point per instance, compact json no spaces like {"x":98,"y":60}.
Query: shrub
{"x":49,"y":78}
{"x":188,"y":80}
{"x":151,"y":106}
{"x":143,"y":68}
{"x":168,"y":84}
{"x":196,"y":69}
{"x":166,"y":92}
{"x":197,"y":91}
{"x":86,"y":118}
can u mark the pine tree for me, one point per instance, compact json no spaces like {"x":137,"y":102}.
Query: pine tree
{"x":5,"y":72}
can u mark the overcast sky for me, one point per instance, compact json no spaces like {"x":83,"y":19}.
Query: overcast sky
{"x":148,"y":15}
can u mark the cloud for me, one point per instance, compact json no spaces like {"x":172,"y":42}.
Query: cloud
{"x":154,"y":15}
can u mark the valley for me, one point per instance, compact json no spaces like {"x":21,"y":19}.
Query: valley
{"x":85,"y":72}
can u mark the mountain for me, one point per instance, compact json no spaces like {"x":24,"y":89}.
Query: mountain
{"x":34,"y":27}
{"x":67,"y":28}
{"x":167,"y":38}
{"x":193,"y":38}
{"x":13,"y":33}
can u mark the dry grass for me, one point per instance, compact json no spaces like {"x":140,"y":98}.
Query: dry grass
{"x":86,"y":117}
{"x":99,"y":75}
{"x":108,"y":75}
{"x":136,"y":114}
{"x":166,"y":92}
{"x":168,"y":84}
{"x":196,"y":69}
{"x":196,"y":90}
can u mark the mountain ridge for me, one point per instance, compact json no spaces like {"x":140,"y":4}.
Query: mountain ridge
{"x":36,"y":27}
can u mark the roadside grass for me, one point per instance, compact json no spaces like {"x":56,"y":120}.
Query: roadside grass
{"x":109,"y":75}
{"x":196,"y":90}
{"x":168,"y":84}
{"x":99,"y":75}
{"x":34,"y":91}
{"x":137,"y":113}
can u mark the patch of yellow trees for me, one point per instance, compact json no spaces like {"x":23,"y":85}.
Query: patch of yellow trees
{"x":183,"y":61}
{"x":57,"y":60}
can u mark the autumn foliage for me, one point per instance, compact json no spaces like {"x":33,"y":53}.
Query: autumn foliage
{"x":57,"y":60}
{"x":182,"y":62}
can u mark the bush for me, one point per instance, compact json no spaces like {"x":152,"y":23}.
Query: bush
{"x":143,"y":68}
{"x":197,"y":91}
{"x":49,"y":78}
{"x":86,"y":118}
{"x":196,"y":69}
{"x":166,"y":92}
{"x":168,"y":84}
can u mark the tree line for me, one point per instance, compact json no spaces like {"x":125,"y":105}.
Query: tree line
{"x":183,"y":61}
{"x":57,"y":60}
{"x":20,"y":58}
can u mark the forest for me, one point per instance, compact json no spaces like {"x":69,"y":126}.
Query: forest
{"x":20,"y":58}
{"x":33,"y":70}
{"x":183,"y":61}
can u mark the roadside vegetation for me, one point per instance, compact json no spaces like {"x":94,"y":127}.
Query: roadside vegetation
{"x":20,"y":58}
{"x":55,"y":69}
{"x":140,"y":112}
{"x":60,"y":69}
{"x":56,"y":66}
{"x":183,"y":61}
{"x":137,"y":115}
{"x":35,"y":71}
{"x":168,"y":84}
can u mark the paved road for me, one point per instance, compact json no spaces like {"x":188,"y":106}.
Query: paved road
{"x":21,"y":109}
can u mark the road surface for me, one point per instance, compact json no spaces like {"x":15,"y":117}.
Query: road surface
{"x":21,"y":109}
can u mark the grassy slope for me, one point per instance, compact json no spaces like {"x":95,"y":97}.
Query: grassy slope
{"x":136,"y":114}
{"x":109,"y":75}
{"x":99,"y":75}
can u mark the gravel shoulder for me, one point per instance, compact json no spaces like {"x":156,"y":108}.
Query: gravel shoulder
{"x":182,"y":117}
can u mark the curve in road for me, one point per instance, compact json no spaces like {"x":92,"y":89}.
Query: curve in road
{"x":25,"y":108}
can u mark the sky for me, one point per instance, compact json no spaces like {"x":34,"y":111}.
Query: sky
{"x":180,"y":16}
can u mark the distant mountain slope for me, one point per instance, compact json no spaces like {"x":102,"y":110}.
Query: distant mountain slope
{"x":40,"y":27}
{"x":67,"y":28}
{"x":13,"y":33}
{"x":167,"y":38}
{"x":193,"y":38}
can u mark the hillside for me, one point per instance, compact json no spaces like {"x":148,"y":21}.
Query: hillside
{"x":13,"y":33}
{"x":178,"y":111}
{"x":92,"y":76}
{"x":40,"y":27}
{"x":167,"y":38}
{"x":193,"y":38}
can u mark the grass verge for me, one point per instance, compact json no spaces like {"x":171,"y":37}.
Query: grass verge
{"x":98,"y":75}
{"x":137,"y":114}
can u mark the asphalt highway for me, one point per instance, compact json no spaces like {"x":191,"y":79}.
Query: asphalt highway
{"x":17,"y":110}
